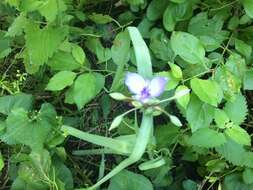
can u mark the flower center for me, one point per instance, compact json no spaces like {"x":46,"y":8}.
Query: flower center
{"x":145,"y":93}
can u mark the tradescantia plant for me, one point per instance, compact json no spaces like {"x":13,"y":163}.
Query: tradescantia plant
{"x":144,"y":91}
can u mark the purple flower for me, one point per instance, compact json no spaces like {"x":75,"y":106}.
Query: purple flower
{"x":144,"y":89}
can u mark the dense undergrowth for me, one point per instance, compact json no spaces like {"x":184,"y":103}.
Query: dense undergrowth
{"x":63,"y":66}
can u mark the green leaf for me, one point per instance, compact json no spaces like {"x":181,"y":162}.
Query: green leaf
{"x":1,"y":162}
{"x":143,"y":60}
{"x":78,"y":54}
{"x":237,"y":110}
{"x":17,"y":26}
{"x":248,"y":80}
{"x":235,"y":154}
{"x":207,"y":90}
{"x":188,"y":47}
{"x":184,"y":100}
{"x":42,"y":43}
{"x":61,"y":80}
{"x":86,"y":87}
{"x":20,"y":129}
{"x":190,"y":185}
{"x":120,"y":48}
{"x":100,"y":18}
{"x":176,"y":12}
{"x":155,"y":9}
{"x":239,"y":135}
{"x":209,"y":31}
{"x":176,"y":71}
{"x":95,"y":46}
{"x":11,"y":102}
{"x":247,"y":176}
{"x":235,"y":182}
{"x":126,"y":180}
{"x":220,"y":118}
{"x":248,"y":6}
{"x":62,"y":61}
{"x":206,"y":137}
{"x":243,"y":48}
{"x":51,"y":8}
{"x":199,"y":114}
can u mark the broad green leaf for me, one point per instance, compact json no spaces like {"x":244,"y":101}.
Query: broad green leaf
{"x":235,"y":154}
{"x":188,"y":47}
{"x":243,"y":48}
{"x":206,"y":137}
{"x":95,"y":46}
{"x":237,"y":110}
{"x":207,"y":90}
{"x":239,"y":135}
{"x":248,"y":6}
{"x":248,"y":80}
{"x":233,"y":22}
{"x":62,"y":61}
{"x":78,"y":54}
{"x":61,"y":80}
{"x":199,"y":114}
{"x":235,"y":182}
{"x":155,"y":9}
{"x":5,"y":48}
{"x":100,"y":18}
{"x":176,"y":12}
{"x":42,"y":43}
{"x":126,"y":180}
{"x":209,"y":31}
{"x":184,"y":100}
{"x":190,"y":185}
{"x":160,"y":45}
{"x":86,"y":87}
{"x":20,"y":129}
{"x":247,"y":176}
{"x":17,"y":26}
{"x":176,"y":71}
{"x":120,"y":48}
{"x":11,"y":102}
{"x":220,"y":118}
{"x":30,"y":5}
{"x":166,"y":135}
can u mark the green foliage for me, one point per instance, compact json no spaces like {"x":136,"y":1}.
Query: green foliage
{"x":63,"y":63}
{"x":129,"y":180}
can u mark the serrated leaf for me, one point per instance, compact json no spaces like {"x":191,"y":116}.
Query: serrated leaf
{"x":206,"y":137}
{"x":239,"y":135}
{"x":220,"y":118}
{"x":42,"y":43}
{"x":188,"y":47}
{"x":207,"y":90}
{"x":237,"y":110}
{"x":61,"y":80}
{"x":235,"y":154}
{"x":199,"y":114}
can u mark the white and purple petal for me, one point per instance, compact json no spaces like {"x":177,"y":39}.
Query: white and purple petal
{"x":135,"y":83}
{"x":157,"y":86}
